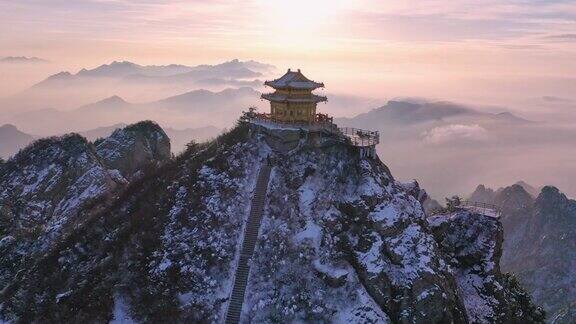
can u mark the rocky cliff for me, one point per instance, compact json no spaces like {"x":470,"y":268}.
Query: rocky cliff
{"x":341,"y":241}
{"x":539,"y":246}
{"x":473,"y":245}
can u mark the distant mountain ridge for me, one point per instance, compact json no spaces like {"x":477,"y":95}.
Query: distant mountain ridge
{"x":193,"y":109}
{"x":410,"y":113}
{"x":132,"y":72}
{"x":134,"y":82}
{"x":22,"y":59}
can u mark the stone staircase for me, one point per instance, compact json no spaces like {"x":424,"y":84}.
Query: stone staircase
{"x":250,"y":237}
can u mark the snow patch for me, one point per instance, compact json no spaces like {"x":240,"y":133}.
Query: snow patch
{"x":121,"y":312}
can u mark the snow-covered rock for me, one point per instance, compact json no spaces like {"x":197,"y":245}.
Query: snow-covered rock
{"x":42,"y":188}
{"x":133,"y":147}
{"x":473,"y":247}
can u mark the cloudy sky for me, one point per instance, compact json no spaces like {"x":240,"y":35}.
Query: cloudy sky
{"x":465,"y":49}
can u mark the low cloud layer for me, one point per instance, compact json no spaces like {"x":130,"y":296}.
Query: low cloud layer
{"x":456,"y":133}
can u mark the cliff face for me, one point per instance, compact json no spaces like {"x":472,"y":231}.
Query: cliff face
{"x":341,"y":241}
{"x":473,"y":245}
{"x":336,"y":220}
{"x":544,"y":256}
{"x":539,"y":246}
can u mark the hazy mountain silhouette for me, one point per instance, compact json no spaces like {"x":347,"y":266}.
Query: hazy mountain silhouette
{"x":112,"y":104}
{"x":22,"y":59}
{"x":135,"y":83}
{"x":194,"y":100}
{"x":12,"y":140}
{"x":131,"y":72}
{"x":193,"y":109}
{"x":402,"y":113}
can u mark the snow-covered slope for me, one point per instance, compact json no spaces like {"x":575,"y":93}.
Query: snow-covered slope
{"x":45,"y":187}
{"x":331,"y":214}
{"x":51,"y":179}
{"x":42,"y":188}
{"x":341,"y":241}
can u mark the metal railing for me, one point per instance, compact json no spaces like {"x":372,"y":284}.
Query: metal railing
{"x":481,"y":208}
{"x":321,"y":122}
{"x":360,"y":137}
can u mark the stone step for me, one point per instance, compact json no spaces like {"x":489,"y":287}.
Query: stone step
{"x":251,"y":231}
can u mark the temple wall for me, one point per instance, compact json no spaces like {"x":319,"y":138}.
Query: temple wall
{"x":293,"y":112}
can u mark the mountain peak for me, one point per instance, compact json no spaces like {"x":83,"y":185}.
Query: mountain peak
{"x":513,"y":198}
{"x":22,"y":59}
{"x":397,"y":104}
{"x":359,"y":246}
{"x":113,"y":102}
{"x":115,"y":99}
{"x":8,"y":127}
{"x":60,"y":75}
{"x":533,"y":191}
{"x":482,"y":194}
{"x":551,"y":194}
{"x":122,"y":63}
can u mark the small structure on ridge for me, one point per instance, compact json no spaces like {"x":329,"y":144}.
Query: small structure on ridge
{"x":293,"y":107}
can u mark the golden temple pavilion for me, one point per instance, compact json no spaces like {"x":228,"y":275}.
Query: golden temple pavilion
{"x":293,"y":100}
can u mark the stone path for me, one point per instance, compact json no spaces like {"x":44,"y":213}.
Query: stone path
{"x":250,"y":237}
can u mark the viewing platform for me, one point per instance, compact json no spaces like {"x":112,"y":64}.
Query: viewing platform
{"x":360,"y":137}
{"x":365,"y":140}
{"x":293,"y":106}
{"x":321,"y":122}
{"x":481,"y":208}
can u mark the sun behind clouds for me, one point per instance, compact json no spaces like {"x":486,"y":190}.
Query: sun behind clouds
{"x":298,"y":22}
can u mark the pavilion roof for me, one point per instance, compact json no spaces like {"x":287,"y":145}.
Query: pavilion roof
{"x":286,"y":98}
{"x":294,"y":80}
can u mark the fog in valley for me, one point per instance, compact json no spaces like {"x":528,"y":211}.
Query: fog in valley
{"x":449,"y":140}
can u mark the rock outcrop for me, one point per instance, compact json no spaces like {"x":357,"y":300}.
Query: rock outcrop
{"x":473,"y":245}
{"x":51,"y":179}
{"x":133,"y":147}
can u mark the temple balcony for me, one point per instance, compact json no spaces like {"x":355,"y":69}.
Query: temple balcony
{"x":321,"y":122}
{"x":360,"y":137}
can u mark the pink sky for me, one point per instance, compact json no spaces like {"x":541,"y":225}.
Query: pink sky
{"x":494,"y":51}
